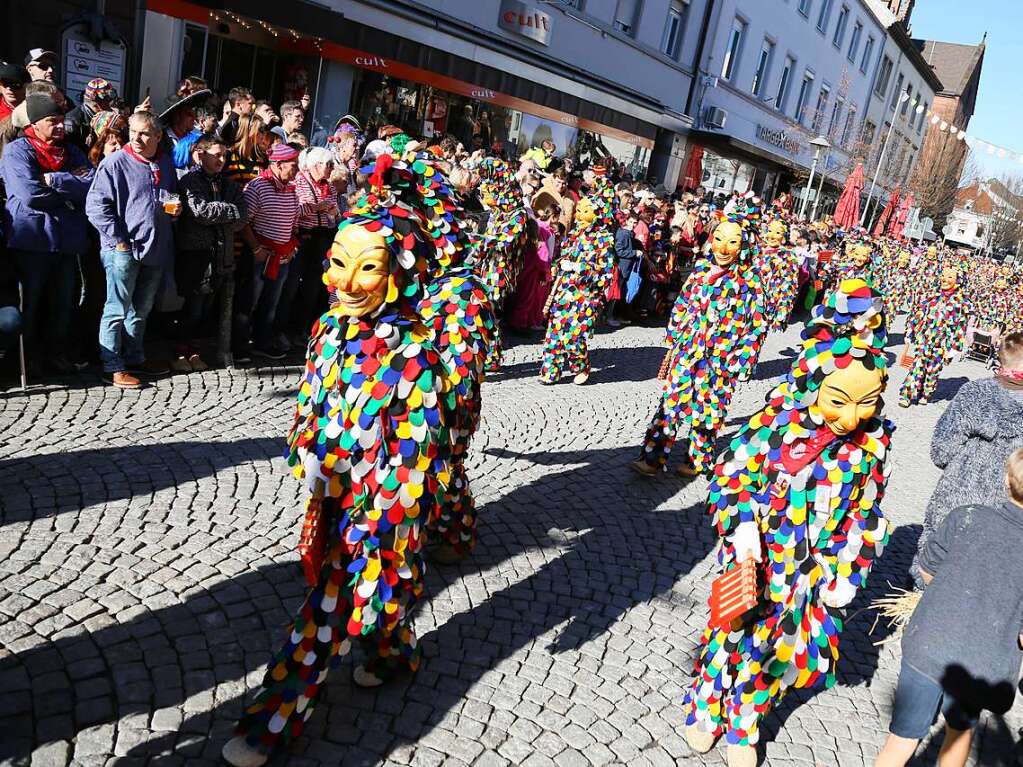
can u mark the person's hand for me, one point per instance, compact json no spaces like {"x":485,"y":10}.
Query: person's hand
{"x":305,"y":101}
{"x":146,"y":105}
{"x":46,"y":179}
{"x":226,"y":111}
{"x":261,"y":253}
{"x":745,"y":540}
{"x":122,"y":247}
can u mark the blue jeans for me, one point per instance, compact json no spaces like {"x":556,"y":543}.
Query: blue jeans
{"x":131,"y":292}
{"x":10,"y":326}
{"x":266,"y":294}
{"x":47,"y":278}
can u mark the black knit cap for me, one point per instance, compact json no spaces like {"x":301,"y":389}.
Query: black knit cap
{"x":39,"y":106}
{"x":13,"y":73}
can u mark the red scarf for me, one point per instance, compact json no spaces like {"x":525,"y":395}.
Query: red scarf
{"x":268,"y":174}
{"x":803,"y":452}
{"x":154,"y":167}
{"x":50,"y":156}
{"x":321,"y":188}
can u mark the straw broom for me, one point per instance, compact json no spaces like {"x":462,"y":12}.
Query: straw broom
{"x":897,"y":608}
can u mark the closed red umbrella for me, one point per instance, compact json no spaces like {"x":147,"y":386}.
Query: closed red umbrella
{"x":693,"y":175}
{"x":847,"y":212}
{"x":886,"y":214}
{"x":898,"y":223}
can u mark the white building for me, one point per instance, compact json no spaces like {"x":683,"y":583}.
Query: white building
{"x":613,"y":72}
{"x":901,"y":94}
{"x":775,"y":74}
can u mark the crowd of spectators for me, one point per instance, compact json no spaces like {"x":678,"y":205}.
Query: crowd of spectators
{"x":216,"y":215}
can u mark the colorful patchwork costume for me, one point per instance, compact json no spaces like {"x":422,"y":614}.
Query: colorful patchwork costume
{"x":813,"y":498}
{"x":782,"y":286}
{"x":714,"y":334}
{"x":582,"y":276}
{"x":936,"y":327}
{"x":500,"y":251}
{"x":385,"y":411}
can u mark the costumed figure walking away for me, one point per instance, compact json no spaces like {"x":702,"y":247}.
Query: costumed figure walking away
{"x":781,"y":277}
{"x":499,"y":252}
{"x":898,"y":285}
{"x":799,"y":488}
{"x":936,"y":327}
{"x":387,"y":403}
{"x":582,"y":276}
{"x":714,"y":333}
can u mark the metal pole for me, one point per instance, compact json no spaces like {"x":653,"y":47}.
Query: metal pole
{"x":820,"y":189}
{"x":809,"y":183}
{"x":21,"y":340}
{"x":877,"y":170}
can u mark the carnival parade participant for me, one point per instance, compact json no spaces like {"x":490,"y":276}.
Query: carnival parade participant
{"x":378,"y":408}
{"x":501,"y":249}
{"x":936,"y":327}
{"x":780,"y":276}
{"x":581,"y":279}
{"x":898,"y":284}
{"x":799,"y":487}
{"x":714,"y":334}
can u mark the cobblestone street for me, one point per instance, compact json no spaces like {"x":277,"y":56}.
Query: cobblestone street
{"x":147,"y":571}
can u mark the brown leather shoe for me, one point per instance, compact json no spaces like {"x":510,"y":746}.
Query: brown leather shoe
{"x":122,"y":379}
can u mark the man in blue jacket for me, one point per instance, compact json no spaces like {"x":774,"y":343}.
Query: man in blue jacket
{"x":130,"y":207}
{"x":47,"y":180}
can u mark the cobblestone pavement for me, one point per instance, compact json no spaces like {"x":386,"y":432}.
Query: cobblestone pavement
{"x":147,"y":570}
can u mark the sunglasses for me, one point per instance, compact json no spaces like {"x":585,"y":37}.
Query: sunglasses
{"x":43,"y":65}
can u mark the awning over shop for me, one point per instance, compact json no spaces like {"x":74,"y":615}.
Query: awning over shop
{"x":383,"y":52}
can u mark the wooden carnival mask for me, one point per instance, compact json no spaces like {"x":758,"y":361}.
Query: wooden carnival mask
{"x":358,"y":271}
{"x":849,"y":396}
{"x":726,"y":244}
{"x":860,"y":254}
{"x":775,"y":233}
{"x":948,"y":279}
{"x":584,"y":213}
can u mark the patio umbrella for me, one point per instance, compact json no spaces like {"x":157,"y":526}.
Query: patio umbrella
{"x":882,"y":222}
{"x":847,"y":212}
{"x":693,"y":175}
{"x":898,"y":223}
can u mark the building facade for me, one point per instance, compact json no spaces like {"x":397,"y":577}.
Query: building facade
{"x":897,"y":120}
{"x":774,"y":75}
{"x":600,"y":77}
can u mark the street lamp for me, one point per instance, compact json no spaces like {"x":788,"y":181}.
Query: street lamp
{"x":904,"y":96}
{"x":820,"y":143}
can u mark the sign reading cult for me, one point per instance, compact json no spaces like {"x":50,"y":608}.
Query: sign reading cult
{"x":778,"y":138}
{"x":525,"y":20}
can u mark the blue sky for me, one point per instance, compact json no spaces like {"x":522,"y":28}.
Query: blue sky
{"x":999,"y":113}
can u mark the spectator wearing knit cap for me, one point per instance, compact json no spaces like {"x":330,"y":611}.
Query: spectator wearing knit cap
{"x":136,"y":245}
{"x":271,"y":235}
{"x":44,"y":219}
{"x":97,"y":97}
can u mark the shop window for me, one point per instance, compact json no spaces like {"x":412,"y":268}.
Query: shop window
{"x":854,"y":42}
{"x":193,"y":51}
{"x":627,"y":15}
{"x":884,"y":74}
{"x":783,"y":83}
{"x":822,"y":107}
{"x":763,"y":67}
{"x":734,"y":49}
{"x":868,"y":51}
{"x":804,"y":96}
{"x":675,"y":28}
{"x":843,"y":19}
{"x":237,"y":64}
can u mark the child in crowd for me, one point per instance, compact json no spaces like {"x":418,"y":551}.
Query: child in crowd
{"x":961,"y":649}
{"x":213,"y":210}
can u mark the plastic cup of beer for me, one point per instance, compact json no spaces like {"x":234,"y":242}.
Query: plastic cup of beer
{"x":171,"y":202}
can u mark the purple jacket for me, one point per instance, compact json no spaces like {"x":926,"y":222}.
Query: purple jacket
{"x":124,"y":206}
{"x":40,"y":217}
